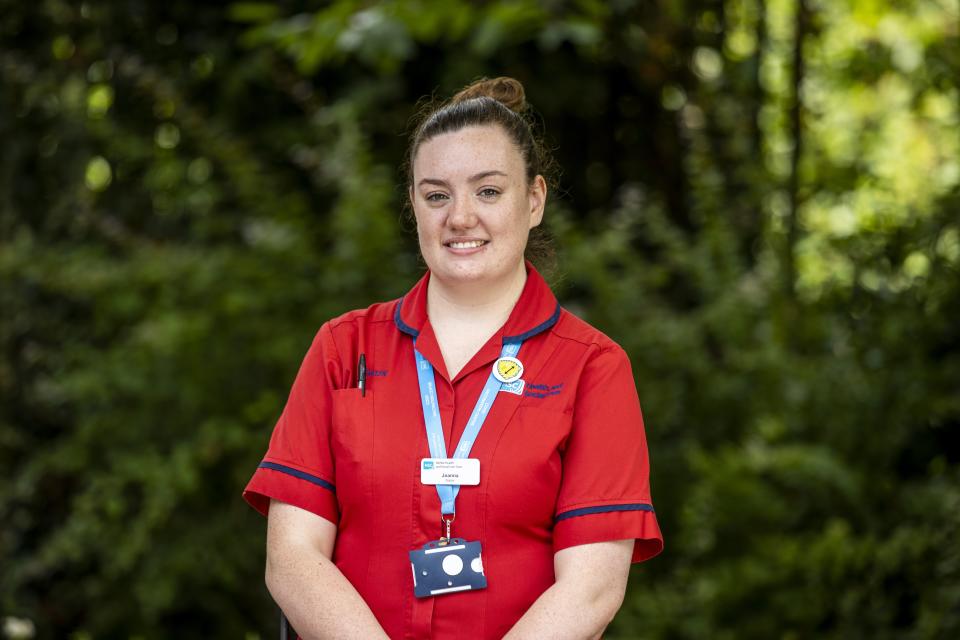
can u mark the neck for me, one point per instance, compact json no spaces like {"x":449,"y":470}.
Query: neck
{"x":475,"y":302}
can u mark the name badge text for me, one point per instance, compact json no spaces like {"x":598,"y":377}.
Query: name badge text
{"x":462,"y":471}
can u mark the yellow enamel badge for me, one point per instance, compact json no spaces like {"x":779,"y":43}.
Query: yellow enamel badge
{"x":507,"y":369}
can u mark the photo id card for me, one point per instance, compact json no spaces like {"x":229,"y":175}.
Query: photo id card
{"x":463,"y":471}
{"x":439,"y":570}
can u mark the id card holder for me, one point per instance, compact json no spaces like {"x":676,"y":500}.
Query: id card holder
{"x":439,"y":570}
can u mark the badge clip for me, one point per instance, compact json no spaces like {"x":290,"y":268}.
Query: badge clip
{"x":445,"y":525}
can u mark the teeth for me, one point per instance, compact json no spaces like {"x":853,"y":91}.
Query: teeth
{"x":473,"y":244}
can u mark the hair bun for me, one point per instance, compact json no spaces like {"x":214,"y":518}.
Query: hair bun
{"x":503,"y":89}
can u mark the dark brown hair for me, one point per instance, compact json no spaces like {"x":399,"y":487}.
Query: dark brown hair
{"x":502,"y":102}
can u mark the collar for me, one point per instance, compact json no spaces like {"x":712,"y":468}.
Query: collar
{"x":536,"y":311}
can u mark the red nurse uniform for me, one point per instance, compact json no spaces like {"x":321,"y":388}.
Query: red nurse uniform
{"x":562,"y":463}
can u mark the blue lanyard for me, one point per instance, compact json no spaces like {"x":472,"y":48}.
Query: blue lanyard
{"x":431,"y":417}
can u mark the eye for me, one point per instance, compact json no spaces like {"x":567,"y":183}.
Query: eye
{"x":436,"y":196}
{"x":489,"y":192}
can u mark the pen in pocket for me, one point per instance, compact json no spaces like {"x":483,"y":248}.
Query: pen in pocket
{"x":362,"y":376}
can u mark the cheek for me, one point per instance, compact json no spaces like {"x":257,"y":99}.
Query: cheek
{"x":427,"y":234}
{"x":421,"y":224}
{"x":520,"y":221}
{"x":422,"y":238}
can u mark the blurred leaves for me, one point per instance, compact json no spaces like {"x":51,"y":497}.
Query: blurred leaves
{"x":187,"y":191}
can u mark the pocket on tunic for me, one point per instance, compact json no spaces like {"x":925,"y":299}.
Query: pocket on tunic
{"x":528,"y":466}
{"x":353,"y":440}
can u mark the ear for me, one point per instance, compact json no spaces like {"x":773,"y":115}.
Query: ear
{"x":538,"y":200}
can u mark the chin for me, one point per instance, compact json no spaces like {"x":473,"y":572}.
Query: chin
{"x":462,"y":274}
{"x":469,"y":271}
{"x":464,"y":271}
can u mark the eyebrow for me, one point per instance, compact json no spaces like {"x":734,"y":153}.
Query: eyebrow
{"x":473,"y":178}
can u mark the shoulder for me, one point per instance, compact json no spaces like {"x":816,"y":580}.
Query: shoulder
{"x":338,"y":333}
{"x":589,"y":355}
{"x":575,"y":331}
{"x":376,"y":314}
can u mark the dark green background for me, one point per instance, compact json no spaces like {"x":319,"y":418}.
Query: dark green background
{"x":758,"y":200}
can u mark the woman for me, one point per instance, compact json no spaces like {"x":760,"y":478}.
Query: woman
{"x":548,"y":498}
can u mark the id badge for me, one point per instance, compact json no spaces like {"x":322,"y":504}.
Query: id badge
{"x":462,"y":471}
{"x":438,"y":570}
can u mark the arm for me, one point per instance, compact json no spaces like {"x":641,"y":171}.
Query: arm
{"x":315,"y":596}
{"x":588,"y":592}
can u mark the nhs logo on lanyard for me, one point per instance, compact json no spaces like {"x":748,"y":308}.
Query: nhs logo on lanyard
{"x":515,"y":387}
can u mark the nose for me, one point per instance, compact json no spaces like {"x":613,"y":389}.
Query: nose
{"x":461,"y":214}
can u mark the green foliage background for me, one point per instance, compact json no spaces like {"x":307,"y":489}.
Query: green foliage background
{"x":759,"y":201}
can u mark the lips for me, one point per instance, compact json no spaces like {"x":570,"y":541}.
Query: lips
{"x":465,"y":244}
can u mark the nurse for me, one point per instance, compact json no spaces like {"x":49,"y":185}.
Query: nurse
{"x":468,"y":461}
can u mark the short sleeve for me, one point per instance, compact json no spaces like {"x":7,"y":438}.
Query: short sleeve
{"x":605,"y":489}
{"x":298,"y":468}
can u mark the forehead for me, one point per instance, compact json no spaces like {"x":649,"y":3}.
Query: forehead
{"x":466,"y":152}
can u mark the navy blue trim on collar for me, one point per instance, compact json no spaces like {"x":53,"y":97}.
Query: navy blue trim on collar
{"x":543,"y":326}
{"x":403,"y":326}
{"x":607,"y":508}
{"x":296,"y":473}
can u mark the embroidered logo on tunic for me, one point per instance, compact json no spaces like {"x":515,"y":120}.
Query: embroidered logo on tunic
{"x":543,"y":390}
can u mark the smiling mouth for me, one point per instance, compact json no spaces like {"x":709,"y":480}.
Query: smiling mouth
{"x":468,"y":244}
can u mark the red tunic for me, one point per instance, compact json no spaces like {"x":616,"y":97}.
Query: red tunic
{"x":563,"y":464}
